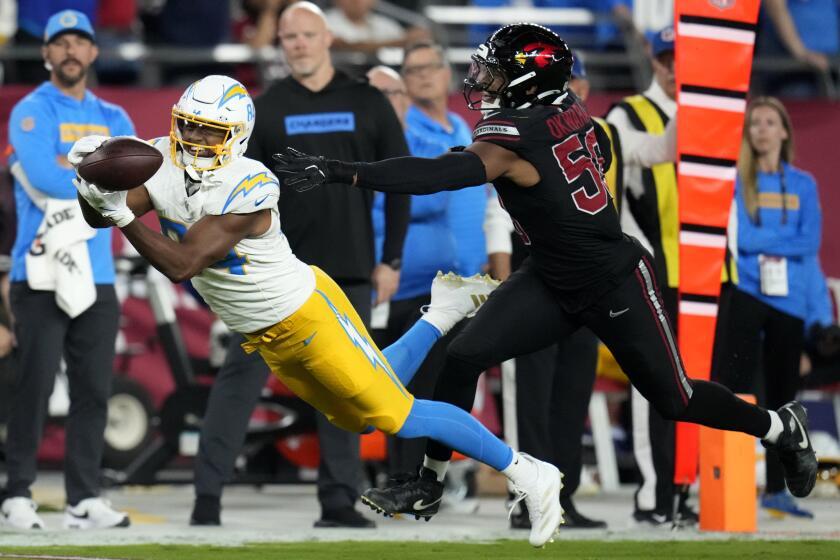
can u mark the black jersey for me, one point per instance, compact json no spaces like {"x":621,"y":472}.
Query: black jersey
{"x":567,"y":220}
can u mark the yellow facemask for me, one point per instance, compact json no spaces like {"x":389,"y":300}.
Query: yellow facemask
{"x":221,"y":152}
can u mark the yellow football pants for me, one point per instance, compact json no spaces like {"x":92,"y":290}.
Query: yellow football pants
{"x":325,"y":355}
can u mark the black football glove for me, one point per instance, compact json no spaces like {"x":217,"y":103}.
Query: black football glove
{"x":303,"y":172}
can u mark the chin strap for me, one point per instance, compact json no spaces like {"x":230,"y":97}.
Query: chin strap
{"x":561,"y":96}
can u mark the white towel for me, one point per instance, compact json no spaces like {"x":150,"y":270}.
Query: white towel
{"x":58,"y":259}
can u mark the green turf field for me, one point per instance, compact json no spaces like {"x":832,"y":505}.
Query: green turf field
{"x":500,"y":550}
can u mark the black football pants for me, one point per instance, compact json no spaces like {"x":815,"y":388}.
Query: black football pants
{"x":45,"y":334}
{"x":523,"y":315}
{"x":762,"y":340}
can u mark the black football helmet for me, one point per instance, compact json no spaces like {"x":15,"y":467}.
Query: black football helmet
{"x":515,"y":59}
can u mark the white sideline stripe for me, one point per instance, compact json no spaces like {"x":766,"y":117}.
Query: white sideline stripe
{"x":699,"y":239}
{"x":51,"y":557}
{"x":716,"y":33}
{"x":713,"y":102}
{"x":699,"y":308}
{"x":707,"y":171}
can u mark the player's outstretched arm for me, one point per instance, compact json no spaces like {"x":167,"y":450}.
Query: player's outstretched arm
{"x":208,"y":241}
{"x":478,"y":163}
{"x":405,"y":175}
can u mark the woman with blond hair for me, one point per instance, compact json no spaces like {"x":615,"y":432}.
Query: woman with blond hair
{"x":779,"y":229}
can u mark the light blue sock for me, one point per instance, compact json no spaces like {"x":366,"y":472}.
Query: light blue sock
{"x":456,"y":428}
{"x":407,"y":353}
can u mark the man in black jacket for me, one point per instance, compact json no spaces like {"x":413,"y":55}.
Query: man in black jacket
{"x":323,"y":110}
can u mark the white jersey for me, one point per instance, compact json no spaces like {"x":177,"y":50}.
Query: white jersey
{"x":260,"y":282}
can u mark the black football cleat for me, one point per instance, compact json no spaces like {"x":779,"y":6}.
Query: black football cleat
{"x":346,"y":518}
{"x":206,"y":511}
{"x":576,"y":520}
{"x":798,"y":459}
{"x":418,"y":495}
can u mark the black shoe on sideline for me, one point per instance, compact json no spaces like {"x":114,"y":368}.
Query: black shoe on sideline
{"x":687,"y":515}
{"x":575,"y":520}
{"x":798,"y":459}
{"x":206,"y":511}
{"x":652,"y":517}
{"x":344,"y":518}
{"x":418,"y":495}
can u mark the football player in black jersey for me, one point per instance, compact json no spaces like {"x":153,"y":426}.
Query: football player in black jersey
{"x":545,"y":156}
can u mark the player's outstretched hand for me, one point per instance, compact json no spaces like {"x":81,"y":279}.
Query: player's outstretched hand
{"x":110,"y":204}
{"x":303,"y":172}
{"x":84,"y":146}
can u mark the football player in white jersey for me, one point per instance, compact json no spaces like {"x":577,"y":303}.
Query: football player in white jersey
{"x":221,"y":230}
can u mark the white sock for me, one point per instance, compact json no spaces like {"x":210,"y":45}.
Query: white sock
{"x":520,"y":469}
{"x":776,"y":427}
{"x":442,"y":320}
{"x":438,"y":466}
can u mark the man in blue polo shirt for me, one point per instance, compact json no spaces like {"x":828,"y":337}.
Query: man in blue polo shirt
{"x":446,"y":228}
{"x":62,"y":282}
{"x":430,"y":245}
{"x":427,"y":77}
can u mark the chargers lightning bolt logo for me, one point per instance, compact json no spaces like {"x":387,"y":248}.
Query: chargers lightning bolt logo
{"x":361,"y":342}
{"x":233,"y":92}
{"x":248,"y":184}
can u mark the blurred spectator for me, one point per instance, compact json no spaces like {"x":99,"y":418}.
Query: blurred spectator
{"x":62,"y":282}
{"x":7,"y":238}
{"x":8,"y":20}
{"x":427,"y":78}
{"x":455,"y":217}
{"x":356,"y":27}
{"x":808,"y":31}
{"x":190,"y":24}
{"x":117,"y":24}
{"x":32,"y":16}
{"x":187,"y":23}
{"x":429,"y":247}
{"x":8,"y":224}
{"x":256,"y":26}
{"x":647,"y":16}
{"x":779,"y":230}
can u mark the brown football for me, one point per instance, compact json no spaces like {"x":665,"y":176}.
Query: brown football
{"x":120,"y":164}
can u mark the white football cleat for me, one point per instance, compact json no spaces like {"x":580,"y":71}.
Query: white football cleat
{"x":542,"y":498}
{"x":455,"y":297}
{"x":21,"y":513}
{"x":94,"y":513}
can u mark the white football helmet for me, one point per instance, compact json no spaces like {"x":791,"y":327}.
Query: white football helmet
{"x":219,"y":103}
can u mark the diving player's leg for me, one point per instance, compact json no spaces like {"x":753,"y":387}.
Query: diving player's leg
{"x":453,"y":298}
{"x":643,"y":343}
{"x":537,"y":482}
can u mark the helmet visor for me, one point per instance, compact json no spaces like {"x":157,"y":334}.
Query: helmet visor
{"x":484,"y":83}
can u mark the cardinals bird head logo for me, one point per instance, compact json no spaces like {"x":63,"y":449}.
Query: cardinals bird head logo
{"x":542,"y":54}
